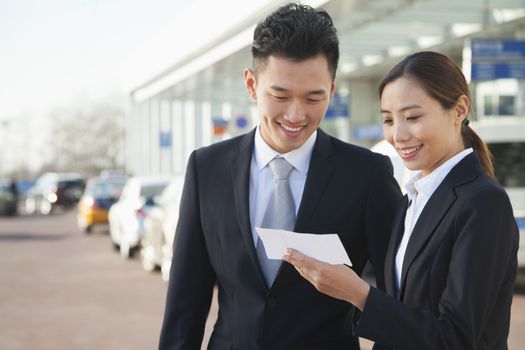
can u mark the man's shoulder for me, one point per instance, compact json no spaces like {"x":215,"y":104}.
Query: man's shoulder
{"x":356,"y":153}
{"x":226,"y":148}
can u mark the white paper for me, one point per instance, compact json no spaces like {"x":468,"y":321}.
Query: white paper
{"x":325,"y":247}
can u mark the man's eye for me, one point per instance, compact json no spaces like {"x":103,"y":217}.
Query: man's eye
{"x":312,"y":100}
{"x":280,"y":98}
{"x":387,"y":121}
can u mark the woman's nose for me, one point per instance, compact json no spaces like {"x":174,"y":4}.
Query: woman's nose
{"x":400,"y":133}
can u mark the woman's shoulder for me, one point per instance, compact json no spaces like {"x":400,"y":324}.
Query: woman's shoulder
{"x":483,"y":194}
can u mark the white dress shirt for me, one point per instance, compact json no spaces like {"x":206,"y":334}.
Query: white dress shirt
{"x":419,"y":190}
{"x":261,"y":177}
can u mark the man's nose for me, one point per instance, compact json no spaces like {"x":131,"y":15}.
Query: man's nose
{"x":295,"y":112}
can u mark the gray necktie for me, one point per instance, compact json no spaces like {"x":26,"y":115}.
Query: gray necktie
{"x":280,"y":214}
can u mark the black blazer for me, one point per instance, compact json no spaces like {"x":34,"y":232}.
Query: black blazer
{"x":349,"y":190}
{"x":458,"y":272}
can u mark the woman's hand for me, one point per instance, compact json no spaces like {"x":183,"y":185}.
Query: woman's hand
{"x":337,"y":281}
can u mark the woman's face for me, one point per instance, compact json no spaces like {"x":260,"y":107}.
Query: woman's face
{"x":424,"y":134}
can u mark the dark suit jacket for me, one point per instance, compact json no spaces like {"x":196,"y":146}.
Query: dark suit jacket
{"x":458,"y":273}
{"x":349,"y":190}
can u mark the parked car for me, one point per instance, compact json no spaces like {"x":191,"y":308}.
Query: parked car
{"x":54,"y":190}
{"x":125,"y":216}
{"x":401,"y":173}
{"x":8,"y":198}
{"x":100,"y":194}
{"x":159,"y":229}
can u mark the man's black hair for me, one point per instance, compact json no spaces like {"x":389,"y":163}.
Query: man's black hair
{"x":297,"y":32}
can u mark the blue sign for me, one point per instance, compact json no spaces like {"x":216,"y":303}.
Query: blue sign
{"x":521,"y":223}
{"x":241,"y":122}
{"x":368,"y":132}
{"x":339,"y":107}
{"x":491,"y":70}
{"x":498,"y":50}
{"x":497,"y":59}
{"x":165,"y":139}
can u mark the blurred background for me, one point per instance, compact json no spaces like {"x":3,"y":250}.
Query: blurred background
{"x":102,"y":102}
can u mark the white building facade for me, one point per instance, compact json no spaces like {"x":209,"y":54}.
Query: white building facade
{"x":186,"y":88}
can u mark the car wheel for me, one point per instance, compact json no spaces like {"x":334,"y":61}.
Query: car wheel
{"x":83,"y":226}
{"x":147,"y":256}
{"x":45,"y":207}
{"x":166,"y":262}
{"x":29,"y":206}
{"x":125,"y":249}
{"x":113,"y":233}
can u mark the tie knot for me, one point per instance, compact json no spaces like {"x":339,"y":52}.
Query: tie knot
{"x":281,"y":169}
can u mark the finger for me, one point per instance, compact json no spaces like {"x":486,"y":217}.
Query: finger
{"x":293,"y":257}
{"x":305,"y":261}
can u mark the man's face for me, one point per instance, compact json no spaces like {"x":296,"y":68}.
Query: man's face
{"x":292,"y":98}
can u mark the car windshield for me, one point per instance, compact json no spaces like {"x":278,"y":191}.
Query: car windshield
{"x":63,"y":184}
{"x":150,"y":191}
{"x":107,"y":189}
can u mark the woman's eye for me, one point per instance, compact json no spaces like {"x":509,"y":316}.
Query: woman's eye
{"x":413,"y":117}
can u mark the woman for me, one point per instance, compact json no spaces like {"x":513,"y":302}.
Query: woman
{"x":452,"y":257}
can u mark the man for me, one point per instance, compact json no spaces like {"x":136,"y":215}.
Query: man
{"x":232,"y":187}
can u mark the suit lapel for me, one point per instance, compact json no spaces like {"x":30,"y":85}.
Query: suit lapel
{"x":319,"y":174}
{"x":434,"y":211}
{"x":398,"y":228}
{"x":436,"y":208}
{"x":240,"y":171}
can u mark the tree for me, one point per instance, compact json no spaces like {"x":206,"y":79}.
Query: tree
{"x":87,"y":138}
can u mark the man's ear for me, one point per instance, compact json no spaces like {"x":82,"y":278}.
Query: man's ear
{"x":332,"y":90}
{"x":250,"y":83}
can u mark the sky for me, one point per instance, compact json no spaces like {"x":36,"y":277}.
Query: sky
{"x":54,"y":51}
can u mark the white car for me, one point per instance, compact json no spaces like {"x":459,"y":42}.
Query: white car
{"x":159,"y":229}
{"x":401,"y":173}
{"x":127,"y":214}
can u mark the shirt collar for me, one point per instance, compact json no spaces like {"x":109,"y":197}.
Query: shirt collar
{"x":299,"y":158}
{"x":426,"y":185}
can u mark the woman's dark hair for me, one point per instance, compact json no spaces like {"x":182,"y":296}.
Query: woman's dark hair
{"x":297,"y":32}
{"x":444,"y":81}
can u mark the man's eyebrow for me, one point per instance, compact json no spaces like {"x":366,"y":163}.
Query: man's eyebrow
{"x":402,"y":109}
{"x":313,"y":92}
{"x":317,"y":92}
{"x":278,"y":88}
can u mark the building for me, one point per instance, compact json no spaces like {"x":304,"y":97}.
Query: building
{"x":186,"y":88}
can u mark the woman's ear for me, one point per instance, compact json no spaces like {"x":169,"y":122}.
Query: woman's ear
{"x":462,"y":108}
{"x":250,"y":83}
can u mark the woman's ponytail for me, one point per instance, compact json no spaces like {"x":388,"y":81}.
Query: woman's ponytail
{"x":472,"y":139}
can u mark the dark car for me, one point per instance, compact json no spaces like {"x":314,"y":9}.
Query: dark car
{"x":54,"y":190}
{"x":8,"y":198}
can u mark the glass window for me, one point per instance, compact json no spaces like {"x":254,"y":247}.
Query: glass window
{"x":509,"y":163}
{"x":488,"y":105}
{"x":506,"y":105}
